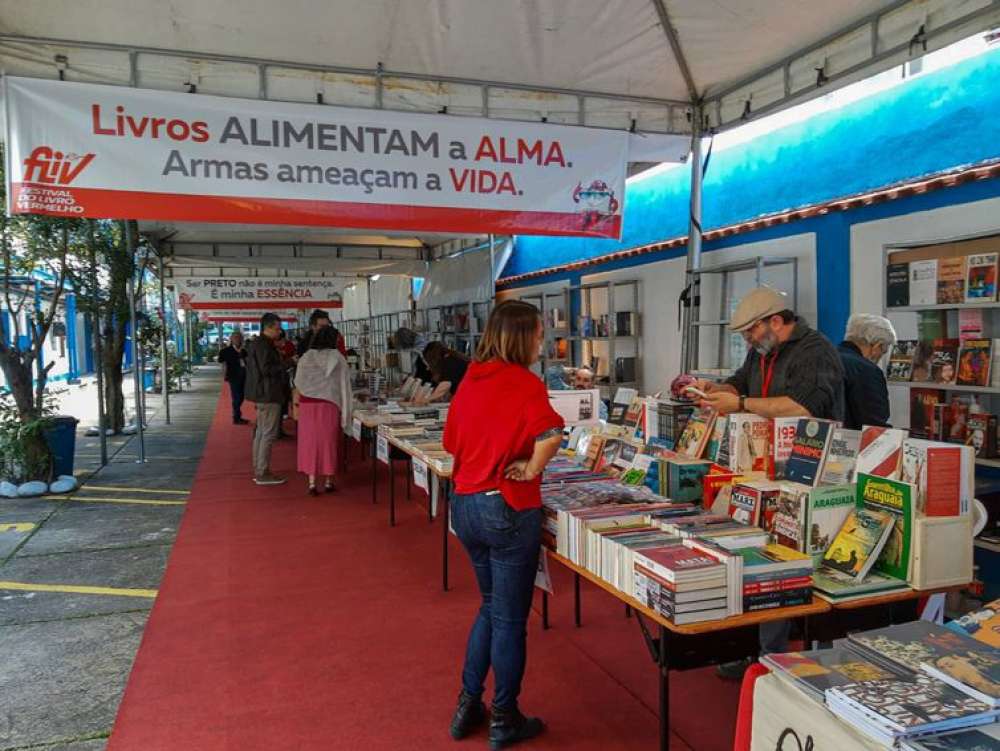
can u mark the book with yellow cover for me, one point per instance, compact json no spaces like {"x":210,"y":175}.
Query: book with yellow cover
{"x":859,"y":542}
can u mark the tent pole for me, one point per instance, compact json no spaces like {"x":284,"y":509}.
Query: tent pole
{"x":95,"y":317}
{"x":689,"y":341}
{"x":130,"y":244}
{"x":493,"y":269}
{"x":164,"y":380}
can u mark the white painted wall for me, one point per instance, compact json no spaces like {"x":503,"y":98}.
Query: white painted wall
{"x":664,"y":281}
{"x":868,"y":241}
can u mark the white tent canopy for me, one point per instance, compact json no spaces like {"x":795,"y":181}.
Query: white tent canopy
{"x":642,"y":65}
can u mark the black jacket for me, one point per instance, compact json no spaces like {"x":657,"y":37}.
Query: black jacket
{"x":267,"y":378}
{"x":866,"y":394}
{"x":805,"y":368}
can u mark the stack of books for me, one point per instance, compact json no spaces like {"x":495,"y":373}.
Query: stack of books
{"x":717,"y":528}
{"x":944,"y":682}
{"x":774,"y":577}
{"x":680,"y":583}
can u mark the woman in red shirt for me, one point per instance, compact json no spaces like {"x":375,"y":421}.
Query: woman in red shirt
{"x":502,"y":432}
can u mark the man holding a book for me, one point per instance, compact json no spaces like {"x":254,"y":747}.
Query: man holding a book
{"x":791,"y":370}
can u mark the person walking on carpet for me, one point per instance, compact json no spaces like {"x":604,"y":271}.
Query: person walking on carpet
{"x":323,"y":386}
{"x":267,"y":386}
{"x":501,"y":431}
{"x":234,"y":358}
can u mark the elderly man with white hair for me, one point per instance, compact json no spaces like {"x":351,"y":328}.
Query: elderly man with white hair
{"x":866,"y":397}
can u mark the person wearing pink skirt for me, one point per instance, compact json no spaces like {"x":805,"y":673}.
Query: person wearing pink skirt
{"x":322,"y":380}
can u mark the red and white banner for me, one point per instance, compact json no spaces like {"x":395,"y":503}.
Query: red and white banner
{"x":86,"y":150}
{"x":257,"y":294}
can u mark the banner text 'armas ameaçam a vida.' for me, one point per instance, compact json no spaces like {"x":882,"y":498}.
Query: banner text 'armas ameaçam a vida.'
{"x":88,"y":150}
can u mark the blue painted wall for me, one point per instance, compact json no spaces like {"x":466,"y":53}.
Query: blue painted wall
{"x":934,"y":123}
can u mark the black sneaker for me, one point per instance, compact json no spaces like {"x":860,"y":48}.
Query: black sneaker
{"x":733,"y":671}
{"x":469,"y":715}
{"x":509,"y":726}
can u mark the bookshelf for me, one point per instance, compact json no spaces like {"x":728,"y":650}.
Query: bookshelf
{"x":706,"y":333}
{"x":607,"y":334}
{"x":936,"y":273}
{"x":459,"y":325}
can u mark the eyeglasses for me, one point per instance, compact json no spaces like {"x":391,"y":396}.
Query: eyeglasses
{"x":748,"y":333}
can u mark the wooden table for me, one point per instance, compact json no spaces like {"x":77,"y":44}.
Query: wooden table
{"x":443,"y":479}
{"x":694,"y":645}
{"x":877,"y":611}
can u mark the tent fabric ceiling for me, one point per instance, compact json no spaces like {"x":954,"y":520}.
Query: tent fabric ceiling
{"x":602,"y":63}
{"x":615,"y":47}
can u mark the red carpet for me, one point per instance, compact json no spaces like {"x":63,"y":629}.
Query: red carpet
{"x":290,"y":622}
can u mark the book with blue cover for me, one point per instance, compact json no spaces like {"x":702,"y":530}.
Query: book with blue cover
{"x":809,"y":451}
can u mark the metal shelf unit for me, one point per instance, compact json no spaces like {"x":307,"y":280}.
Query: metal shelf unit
{"x":904,"y":315}
{"x":724,"y":354}
{"x":607,"y":335}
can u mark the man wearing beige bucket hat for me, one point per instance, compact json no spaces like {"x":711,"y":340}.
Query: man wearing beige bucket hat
{"x":791,"y":370}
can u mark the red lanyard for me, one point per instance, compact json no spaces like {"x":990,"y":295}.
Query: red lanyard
{"x":768,"y":374}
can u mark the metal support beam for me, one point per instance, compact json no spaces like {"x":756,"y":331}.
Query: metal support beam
{"x":164,"y":371}
{"x":98,"y":350}
{"x":675,"y":47}
{"x":689,"y":344}
{"x":131,"y":242}
{"x":328,"y":69}
{"x":493,"y":269}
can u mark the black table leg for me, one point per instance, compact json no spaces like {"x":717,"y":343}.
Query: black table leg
{"x":409,"y":477}
{"x":392,"y":492}
{"x":658,"y":649}
{"x":374,"y":474}
{"x":545,"y":610}
{"x":444,"y":533}
{"x":664,"y":667}
{"x":576,"y":599}
{"x":628,"y":611}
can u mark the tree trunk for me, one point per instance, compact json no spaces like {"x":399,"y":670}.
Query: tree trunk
{"x":19,"y":382}
{"x":114,"y":395}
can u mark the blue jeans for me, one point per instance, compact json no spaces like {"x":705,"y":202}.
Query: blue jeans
{"x":503,"y":545}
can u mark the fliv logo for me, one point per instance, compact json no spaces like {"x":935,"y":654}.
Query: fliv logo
{"x":53,"y":167}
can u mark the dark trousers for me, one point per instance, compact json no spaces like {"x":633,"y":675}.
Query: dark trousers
{"x":503,"y":545}
{"x":236,"y":389}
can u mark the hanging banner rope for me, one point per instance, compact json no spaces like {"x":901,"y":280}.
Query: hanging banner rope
{"x":89,"y":150}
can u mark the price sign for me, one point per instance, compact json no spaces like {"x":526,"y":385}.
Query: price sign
{"x":420,"y":475}
{"x":542,"y":578}
{"x":382,"y":449}
{"x":356,"y":429}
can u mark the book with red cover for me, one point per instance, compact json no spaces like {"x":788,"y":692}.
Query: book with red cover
{"x":922,"y":416}
{"x":746,"y":504}
{"x":880,"y":451}
{"x":676,"y":562}
{"x":974,"y":360}
{"x":944,"y":361}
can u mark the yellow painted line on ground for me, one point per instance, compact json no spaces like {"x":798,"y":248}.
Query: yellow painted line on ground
{"x":77,"y":590}
{"x":135,"y":490}
{"x":127,"y":501}
{"x":16,"y":526}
